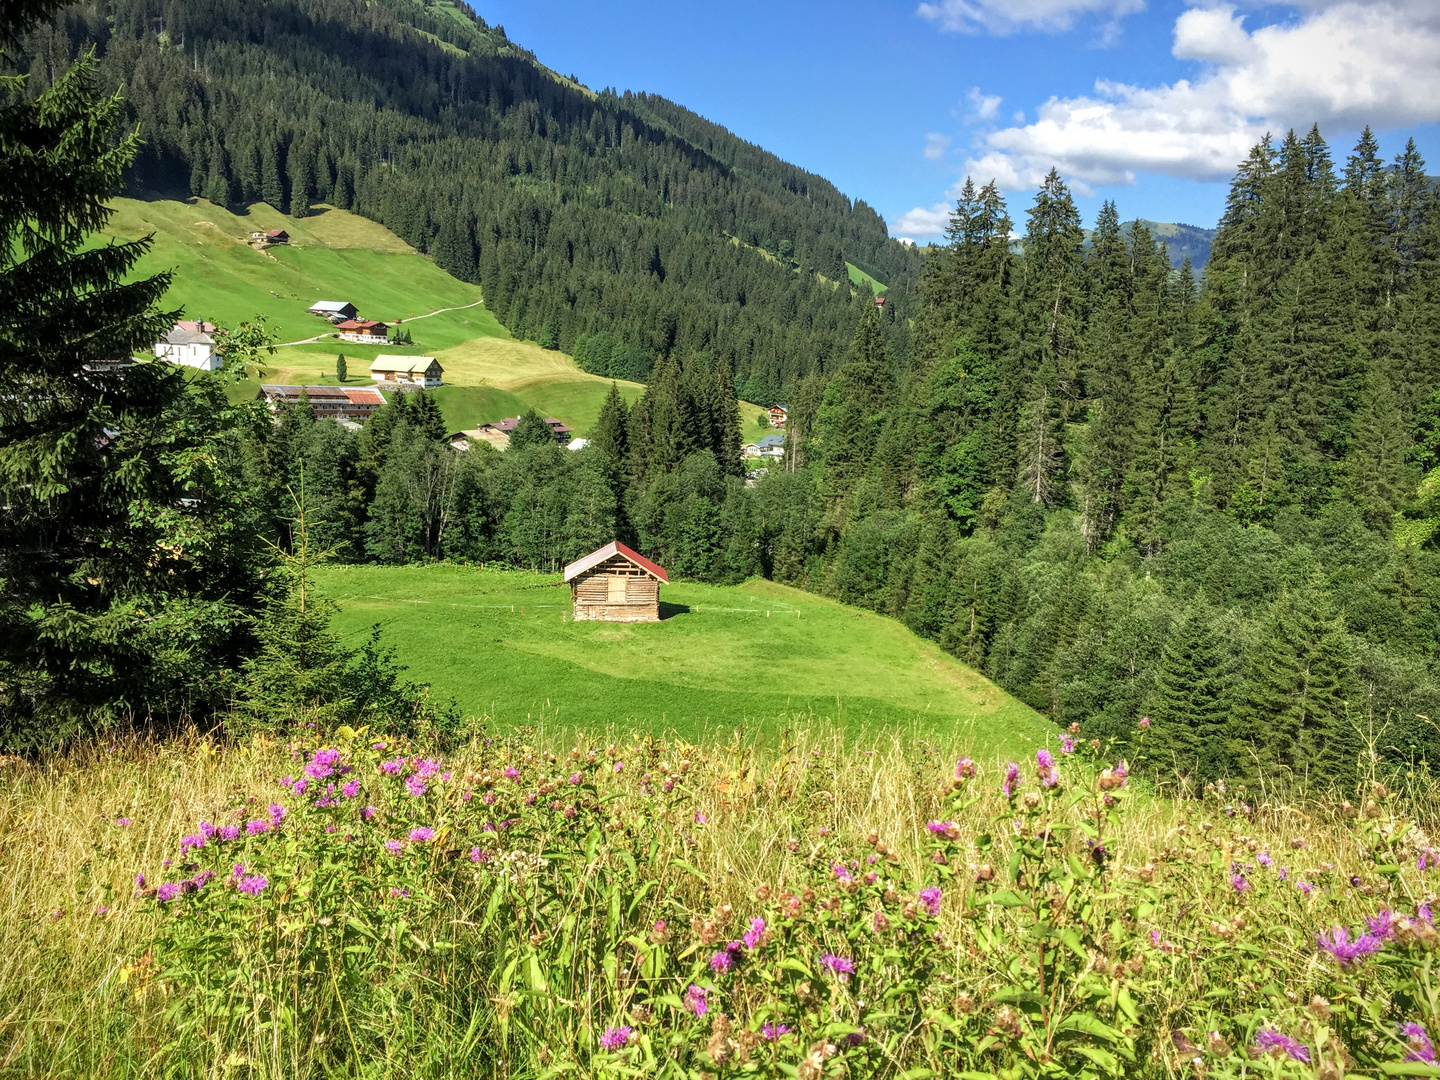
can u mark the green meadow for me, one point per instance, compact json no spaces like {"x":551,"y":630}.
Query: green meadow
{"x":861,"y":279}
{"x":760,"y":656}
{"x":336,"y":255}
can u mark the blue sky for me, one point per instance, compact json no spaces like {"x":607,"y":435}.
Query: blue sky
{"x":1148,"y":102}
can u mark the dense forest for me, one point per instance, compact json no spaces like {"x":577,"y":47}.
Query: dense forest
{"x":577,"y":212}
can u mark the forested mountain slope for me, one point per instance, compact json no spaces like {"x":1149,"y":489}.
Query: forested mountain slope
{"x":577,"y":212}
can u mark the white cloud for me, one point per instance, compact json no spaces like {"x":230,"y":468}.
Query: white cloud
{"x":935,"y":146}
{"x":923,"y":222}
{"x":983,"y":107}
{"x":1341,"y":63}
{"x":1005,"y":16}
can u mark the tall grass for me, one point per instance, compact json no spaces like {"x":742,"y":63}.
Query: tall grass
{"x":533,"y":955}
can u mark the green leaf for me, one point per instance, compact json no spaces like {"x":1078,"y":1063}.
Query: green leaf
{"x":1409,"y":1068}
{"x":1088,"y":1024}
{"x":1008,"y":898}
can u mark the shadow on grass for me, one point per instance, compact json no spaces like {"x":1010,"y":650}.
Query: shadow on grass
{"x":669,"y":611}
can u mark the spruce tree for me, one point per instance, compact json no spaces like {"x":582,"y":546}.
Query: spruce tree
{"x":341,"y":372}
{"x":609,"y":436}
{"x":424,"y":415}
{"x":118,"y":563}
{"x":1191,"y":704}
{"x":532,"y":430}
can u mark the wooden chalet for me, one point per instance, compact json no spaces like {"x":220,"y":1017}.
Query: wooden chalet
{"x":779,"y":414}
{"x":615,"y":584}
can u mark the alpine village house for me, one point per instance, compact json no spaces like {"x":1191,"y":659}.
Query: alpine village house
{"x":615,"y":584}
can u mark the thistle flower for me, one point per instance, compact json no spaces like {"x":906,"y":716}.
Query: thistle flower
{"x":773,"y":1032}
{"x":842,"y":872}
{"x":700,"y":819}
{"x":619,"y":766}
{"x":964,"y":769}
{"x":167,"y":892}
{"x":393,"y":766}
{"x":428,"y":769}
{"x":695,"y":1000}
{"x":722,"y":961}
{"x":616,"y":1038}
{"x":1012,"y":776}
{"x":368,"y":813}
{"x":322,"y":764}
{"x":575,"y":778}
{"x":1067,"y":745}
{"x":930,"y":897}
{"x":1264,"y":859}
{"x":394,"y":847}
{"x":1239,"y":884}
{"x":511,"y":772}
{"x":228,"y":832}
{"x":840,"y":966}
{"x":1044,"y":759}
{"x":754,"y":936}
{"x":351,"y":789}
{"x":207,"y":829}
{"x":399,"y":894}
{"x":416,"y":785}
{"x":300,"y":786}
{"x":253,"y":884}
{"x":1338,"y":944}
{"x":1418,"y":1041}
{"x":1305,"y":887}
{"x":475,"y":854}
{"x":423,"y":833}
{"x":1382,"y":924}
{"x":1271,"y":1041}
{"x":277,"y":813}
{"x":192,"y":843}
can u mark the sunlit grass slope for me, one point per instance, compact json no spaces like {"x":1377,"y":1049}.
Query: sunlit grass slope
{"x":502,"y":643}
{"x":336,"y":255}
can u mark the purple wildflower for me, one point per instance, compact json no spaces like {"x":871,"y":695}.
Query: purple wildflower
{"x":755,"y":934}
{"x":167,"y":892}
{"x":394,"y":847}
{"x":575,"y":778}
{"x":722,"y":961}
{"x":842,"y":872}
{"x":253,"y":884}
{"x":369,"y":813}
{"x":700,"y":819}
{"x":1305,"y":887}
{"x":619,"y":766}
{"x":322,"y":764}
{"x":398,"y":894}
{"x":123,"y":821}
{"x":422,"y":834}
{"x":351,"y":789}
{"x":277,"y":813}
{"x":1145,"y":723}
{"x":1424,"y":861}
{"x":694,"y":1000}
{"x":1239,"y":884}
{"x":1044,"y":759}
{"x":1012,"y":776}
{"x":427,"y":769}
{"x":416,"y":785}
{"x":1264,"y":859}
{"x":228,"y":832}
{"x":1382,"y":924}
{"x":512,"y":773}
{"x":140,"y":880}
{"x":1418,"y":1041}
{"x":964,"y":769}
{"x":192,"y":843}
{"x":207,"y":828}
{"x":839,"y":966}
{"x":1269,"y":1040}
{"x":1067,"y":745}
{"x":1347,"y":952}
{"x":930,"y":897}
{"x":256,"y":827}
{"x":300,"y":786}
{"x":1155,"y":938}
{"x":474,"y":854}
{"x":393,"y":766}
{"x":773,"y":1032}
{"x":101,"y":909}
{"x":616,"y":1038}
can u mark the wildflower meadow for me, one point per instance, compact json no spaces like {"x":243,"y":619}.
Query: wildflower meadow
{"x":534,"y":904}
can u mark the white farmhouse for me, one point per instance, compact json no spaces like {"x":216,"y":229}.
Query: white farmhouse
{"x":418,"y":370}
{"x":190,"y":343}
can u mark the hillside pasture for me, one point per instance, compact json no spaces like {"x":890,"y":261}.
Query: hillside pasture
{"x":759,"y":655}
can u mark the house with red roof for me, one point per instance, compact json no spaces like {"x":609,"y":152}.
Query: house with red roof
{"x":615,"y":584}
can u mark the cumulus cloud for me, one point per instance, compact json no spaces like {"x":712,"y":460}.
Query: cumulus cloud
{"x":1006,"y":16}
{"x":1341,"y":63}
{"x":935,"y":146}
{"x":922,"y":221}
{"x":983,"y":107}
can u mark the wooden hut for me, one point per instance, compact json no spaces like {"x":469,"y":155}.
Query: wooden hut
{"x":615,"y":584}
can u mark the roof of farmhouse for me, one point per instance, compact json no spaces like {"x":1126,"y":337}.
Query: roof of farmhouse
{"x":415,"y":365}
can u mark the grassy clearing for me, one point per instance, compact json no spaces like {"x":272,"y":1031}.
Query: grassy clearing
{"x":861,"y":279}
{"x":502,"y":643}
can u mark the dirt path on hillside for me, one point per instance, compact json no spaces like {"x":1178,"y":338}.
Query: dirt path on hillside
{"x":414,"y":318}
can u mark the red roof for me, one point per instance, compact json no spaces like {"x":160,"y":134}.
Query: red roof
{"x":366,"y":396}
{"x":359,"y":324}
{"x":609,"y":551}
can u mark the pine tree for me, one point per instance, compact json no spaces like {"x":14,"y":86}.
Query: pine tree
{"x":341,"y":372}
{"x":532,"y":430}
{"x":119,"y":563}
{"x":423,"y":414}
{"x":609,"y":436}
{"x":272,"y":190}
{"x":1378,"y":478}
{"x":1296,"y":715}
{"x":1191,"y":704}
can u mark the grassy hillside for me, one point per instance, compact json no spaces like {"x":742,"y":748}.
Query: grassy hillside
{"x":861,"y":279}
{"x":336,"y":255}
{"x":503,"y":643}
